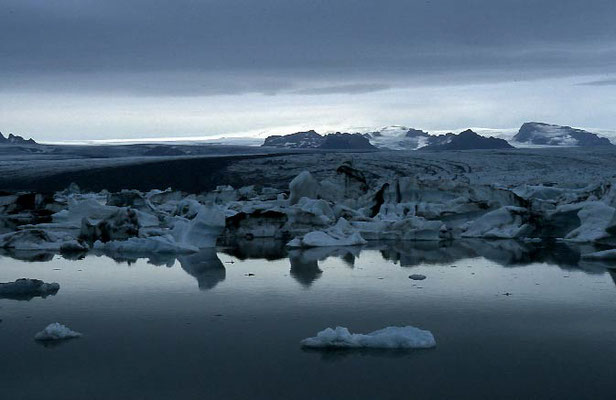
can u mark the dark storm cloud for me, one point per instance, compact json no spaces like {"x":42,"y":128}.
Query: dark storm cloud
{"x":183,"y":47}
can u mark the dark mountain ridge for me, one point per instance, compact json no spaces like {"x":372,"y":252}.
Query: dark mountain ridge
{"x":15,"y":139}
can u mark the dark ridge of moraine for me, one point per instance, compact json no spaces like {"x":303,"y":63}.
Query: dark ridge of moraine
{"x":192,"y":175}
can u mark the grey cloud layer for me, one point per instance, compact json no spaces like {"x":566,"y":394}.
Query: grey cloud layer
{"x":311,"y":47}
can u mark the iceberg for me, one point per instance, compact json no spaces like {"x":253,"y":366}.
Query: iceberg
{"x":392,"y":337}
{"x":505,"y":223}
{"x":202,"y":231}
{"x":341,"y":234}
{"x":595,"y":219}
{"x":303,"y":185}
{"x":144,"y":246}
{"x":56,"y":331}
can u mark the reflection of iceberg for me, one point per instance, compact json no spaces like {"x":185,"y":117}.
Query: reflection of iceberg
{"x":305,"y":263}
{"x":502,"y":252}
{"x":160,"y":260}
{"x":28,"y":255}
{"x":263,"y":248}
{"x":205,"y":266}
{"x":304,"y":270}
{"x":410,"y":254}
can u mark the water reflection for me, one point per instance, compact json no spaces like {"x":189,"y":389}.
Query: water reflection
{"x":503,"y":252}
{"x":304,"y":270}
{"x":260,"y":248}
{"x":305,"y":267}
{"x":205,"y":266}
{"x":333,"y":355}
{"x":27,"y":255}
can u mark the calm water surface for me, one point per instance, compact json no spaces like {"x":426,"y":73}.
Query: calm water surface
{"x":509,"y":323}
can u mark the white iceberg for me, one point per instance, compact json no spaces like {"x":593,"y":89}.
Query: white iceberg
{"x":147,"y":245}
{"x":504,"y":223}
{"x":392,"y":337}
{"x":203,"y":230}
{"x":341,"y":234}
{"x":303,"y":185}
{"x":56,"y":331}
{"x":595,"y":217}
{"x":79,"y":209}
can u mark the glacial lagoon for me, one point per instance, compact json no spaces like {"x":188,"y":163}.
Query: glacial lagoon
{"x":511,"y":320}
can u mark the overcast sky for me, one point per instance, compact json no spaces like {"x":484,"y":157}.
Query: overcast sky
{"x":90,"y":69}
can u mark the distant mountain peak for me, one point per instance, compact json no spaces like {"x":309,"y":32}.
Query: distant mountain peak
{"x":312,"y":140}
{"x":298,"y":140}
{"x":398,"y":137}
{"x":15,"y":139}
{"x":540,"y":133}
{"x":466,"y":140}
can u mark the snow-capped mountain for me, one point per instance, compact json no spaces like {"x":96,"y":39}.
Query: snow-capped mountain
{"x":397,"y":137}
{"x":538,"y":133}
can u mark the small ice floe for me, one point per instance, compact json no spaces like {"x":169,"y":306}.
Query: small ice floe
{"x":392,"y":337}
{"x":26,"y":289}
{"x":417,"y":277}
{"x":56,"y":331}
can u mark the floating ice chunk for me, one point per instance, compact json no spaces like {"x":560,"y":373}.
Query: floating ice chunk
{"x":56,"y":331}
{"x":392,"y":337}
{"x":187,"y":208}
{"x":320,"y":208}
{"x":152,"y":244}
{"x":79,"y":209}
{"x":418,"y":228}
{"x":595,"y":217}
{"x":203,"y":230}
{"x":601,"y":255}
{"x":25,"y":289}
{"x":505,"y":223}
{"x":35,"y":239}
{"x":127,"y":198}
{"x":303,"y":185}
{"x":121,"y":225}
{"x":410,"y":228}
{"x":256,"y":224}
{"x":341,"y":234}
